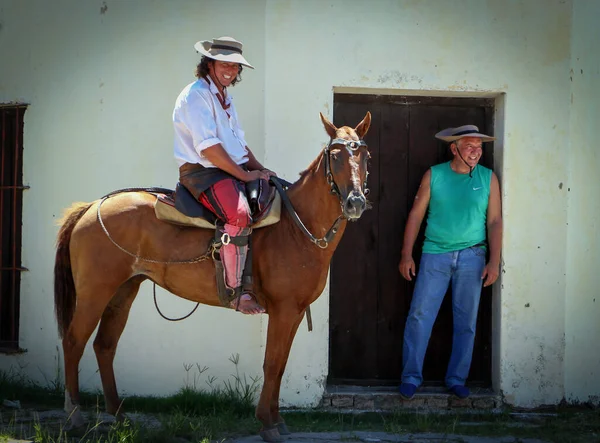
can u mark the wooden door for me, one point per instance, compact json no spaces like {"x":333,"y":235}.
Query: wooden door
{"x":369,"y":299}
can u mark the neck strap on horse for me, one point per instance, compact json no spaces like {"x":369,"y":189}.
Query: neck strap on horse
{"x":320,"y":242}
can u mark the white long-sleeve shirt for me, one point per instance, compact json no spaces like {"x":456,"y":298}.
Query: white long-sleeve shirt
{"x":201,"y":122}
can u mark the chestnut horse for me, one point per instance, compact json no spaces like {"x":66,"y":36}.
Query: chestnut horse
{"x":96,"y":282}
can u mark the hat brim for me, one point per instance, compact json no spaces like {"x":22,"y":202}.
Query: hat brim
{"x":204,"y":48}
{"x":453,"y":138}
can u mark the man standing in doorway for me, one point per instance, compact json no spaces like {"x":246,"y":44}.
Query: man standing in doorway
{"x":462,"y":202}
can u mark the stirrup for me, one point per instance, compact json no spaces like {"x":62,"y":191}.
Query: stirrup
{"x":238,"y":292}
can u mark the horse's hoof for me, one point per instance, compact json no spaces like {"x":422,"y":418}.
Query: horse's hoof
{"x":74,"y":422}
{"x":283,"y":429}
{"x":121,"y":417}
{"x":69,"y":426}
{"x":271,"y":435}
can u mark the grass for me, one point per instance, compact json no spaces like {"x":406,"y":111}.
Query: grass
{"x":199,"y":415}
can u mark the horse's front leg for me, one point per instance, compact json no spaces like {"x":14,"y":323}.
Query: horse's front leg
{"x":283,"y":324}
{"x":280,"y":423}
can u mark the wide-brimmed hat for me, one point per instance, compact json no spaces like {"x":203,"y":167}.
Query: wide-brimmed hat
{"x":224,"y":49}
{"x":453,"y":134}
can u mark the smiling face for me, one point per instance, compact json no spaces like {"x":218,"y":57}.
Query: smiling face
{"x":223,"y":73}
{"x":470,"y":149}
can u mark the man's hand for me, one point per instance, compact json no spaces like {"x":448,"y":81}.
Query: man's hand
{"x":490,"y":273}
{"x":269,"y":172}
{"x":407,"y":267}
{"x":256,"y":174}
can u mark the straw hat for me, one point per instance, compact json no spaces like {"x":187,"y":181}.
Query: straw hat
{"x":224,"y":49}
{"x":453,"y":134}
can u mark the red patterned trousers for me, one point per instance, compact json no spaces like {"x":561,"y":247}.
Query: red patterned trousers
{"x":227,"y":200}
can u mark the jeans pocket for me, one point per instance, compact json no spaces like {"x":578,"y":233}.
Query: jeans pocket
{"x":478,"y":251}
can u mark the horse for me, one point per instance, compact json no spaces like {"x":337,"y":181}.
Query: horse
{"x":96,"y":282}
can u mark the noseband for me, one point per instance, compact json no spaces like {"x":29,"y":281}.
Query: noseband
{"x":352,"y":146}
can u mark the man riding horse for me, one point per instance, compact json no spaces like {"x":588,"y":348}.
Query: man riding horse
{"x":97,"y":276}
{"x":214,"y":160}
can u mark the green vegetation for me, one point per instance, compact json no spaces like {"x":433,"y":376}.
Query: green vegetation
{"x":200,"y":414}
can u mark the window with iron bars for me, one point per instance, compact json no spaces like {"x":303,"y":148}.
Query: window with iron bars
{"x":11,"y":210}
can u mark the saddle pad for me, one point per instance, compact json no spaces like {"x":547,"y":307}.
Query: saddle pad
{"x":164,"y":209}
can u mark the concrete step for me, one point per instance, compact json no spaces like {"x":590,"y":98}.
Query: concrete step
{"x":364,"y":399}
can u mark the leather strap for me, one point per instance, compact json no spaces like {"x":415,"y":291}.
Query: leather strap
{"x":320,"y":242}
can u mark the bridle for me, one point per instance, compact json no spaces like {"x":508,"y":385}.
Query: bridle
{"x":352,"y":146}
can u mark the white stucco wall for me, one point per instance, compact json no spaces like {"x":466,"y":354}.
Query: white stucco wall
{"x":582,"y":356}
{"x":452,"y":48}
{"x":101,"y":78}
{"x":101,"y":86}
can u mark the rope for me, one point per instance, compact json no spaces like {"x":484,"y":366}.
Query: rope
{"x":205,"y":256}
{"x":164,"y":316}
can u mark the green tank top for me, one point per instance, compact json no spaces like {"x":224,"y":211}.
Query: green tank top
{"x":457,"y":213}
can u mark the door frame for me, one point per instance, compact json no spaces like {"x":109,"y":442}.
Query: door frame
{"x":497,"y":100}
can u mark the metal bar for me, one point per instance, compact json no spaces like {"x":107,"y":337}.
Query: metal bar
{"x":15,"y":187}
{"x":16,"y":269}
{"x":13,"y":105}
{"x":11,"y":348}
{"x":2,"y":150}
{"x":13,"y":292}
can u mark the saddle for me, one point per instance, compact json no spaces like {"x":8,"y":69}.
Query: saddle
{"x":181,"y":208}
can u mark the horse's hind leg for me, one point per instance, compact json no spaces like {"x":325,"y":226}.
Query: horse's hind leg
{"x":110,"y":330}
{"x":91,"y":302}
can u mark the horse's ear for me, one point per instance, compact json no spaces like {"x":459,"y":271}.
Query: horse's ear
{"x":329,"y":127}
{"x":362,"y":128}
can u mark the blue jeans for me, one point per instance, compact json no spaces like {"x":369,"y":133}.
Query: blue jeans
{"x":464,"y":269}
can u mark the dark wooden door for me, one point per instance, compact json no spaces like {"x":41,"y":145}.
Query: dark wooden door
{"x":369,"y":299}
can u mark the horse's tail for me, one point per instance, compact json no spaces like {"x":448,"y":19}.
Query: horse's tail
{"x":64,"y":286}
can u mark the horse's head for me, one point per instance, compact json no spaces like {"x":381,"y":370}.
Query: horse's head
{"x":346,"y":159}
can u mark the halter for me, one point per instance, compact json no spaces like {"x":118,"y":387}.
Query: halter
{"x":352,"y":146}
{"x":324,"y":241}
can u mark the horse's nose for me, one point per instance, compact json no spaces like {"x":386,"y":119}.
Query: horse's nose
{"x":355,"y":204}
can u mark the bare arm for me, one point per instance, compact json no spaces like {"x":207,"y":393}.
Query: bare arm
{"x":494,"y":231}
{"x":413,"y":224}
{"x":221,"y":159}
{"x":254,"y":165}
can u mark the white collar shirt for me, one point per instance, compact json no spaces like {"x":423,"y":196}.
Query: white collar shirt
{"x":201,"y":122}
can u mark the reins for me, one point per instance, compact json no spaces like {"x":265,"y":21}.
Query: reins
{"x":320,"y":242}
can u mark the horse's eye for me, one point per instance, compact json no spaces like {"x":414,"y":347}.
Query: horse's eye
{"x":334,"y":156}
